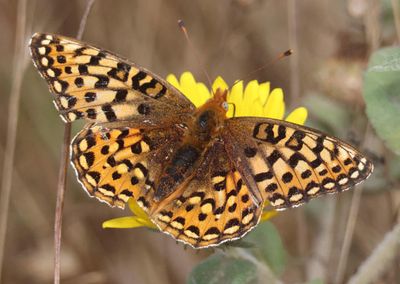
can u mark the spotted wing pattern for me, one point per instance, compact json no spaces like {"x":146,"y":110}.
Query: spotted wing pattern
{"x":136,"y":127}
{"x":114,"y":163}
{"x":289,"y":164}
{"x":213,"y":207}
{"x":92,"y":83}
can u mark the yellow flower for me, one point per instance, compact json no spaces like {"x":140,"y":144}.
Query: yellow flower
{"x":139,"y":219}
{"x":257,"y":99}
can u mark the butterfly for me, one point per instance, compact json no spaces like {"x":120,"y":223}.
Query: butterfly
{"x":201,"y":177}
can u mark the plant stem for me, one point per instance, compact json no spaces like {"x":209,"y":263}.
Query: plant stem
{"x":62,"y":174}
{"x":13,"y":109}
{"x":351,"y":222}
{"x":294,"y":44}
{"x":380,"y":259}
{"x":396,"y":15}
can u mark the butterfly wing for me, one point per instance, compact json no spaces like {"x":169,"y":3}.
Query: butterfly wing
{"x":288,"y":164}
{"x":214,"y":206}
{"x":114,"y":162}
{"x":92,"y":83}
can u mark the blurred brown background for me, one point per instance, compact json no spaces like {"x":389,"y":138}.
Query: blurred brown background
{"x":332,"y":42}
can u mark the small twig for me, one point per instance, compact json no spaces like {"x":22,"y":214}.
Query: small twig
{"x":318,"y":266}
{"x":85,"y":15}
{"x":301,"y":229}
{"x":372,"y":25}
{"x":396,"y":15}
{"x":13,"y":108}
{"x":294,"y":44}
{"x":388,"y":249}
{"x":351,"y":222}
{"x":62,"y":174}
{"x":61,"y":187}
{"x":348,"y":237}
{"x":379,"y":260}
{"x":373,"y":37}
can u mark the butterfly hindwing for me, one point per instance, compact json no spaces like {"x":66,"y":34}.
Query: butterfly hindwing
{"x":214,"y":206}
{"x":289,"y":163}
{"x":92,"y":83}
{"x":115,"y":161}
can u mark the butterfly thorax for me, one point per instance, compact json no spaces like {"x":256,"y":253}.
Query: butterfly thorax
{"x":201,"y":130}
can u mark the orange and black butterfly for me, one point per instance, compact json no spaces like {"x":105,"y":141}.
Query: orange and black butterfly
{"x":201,"y":177}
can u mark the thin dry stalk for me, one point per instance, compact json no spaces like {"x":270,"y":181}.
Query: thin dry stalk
{"x":396,"y":15}
{"x":61,"y":187}
{"x":348,"y":237}
{"x":372,"y":23}
{"x":387,"y":250}
{"x":380,"y":259}
{"x":351,"y":222}
{"x":294,"y":96}
{"x":317,"y":267}
{"x":13,"y":108}
{"x":294,"y":44}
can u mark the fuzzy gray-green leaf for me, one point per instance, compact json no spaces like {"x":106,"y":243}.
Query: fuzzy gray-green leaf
{"x":382,"y":95}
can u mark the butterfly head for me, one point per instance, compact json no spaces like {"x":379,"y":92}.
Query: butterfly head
{"x":209,"y":118}
{"x":218,"y":102}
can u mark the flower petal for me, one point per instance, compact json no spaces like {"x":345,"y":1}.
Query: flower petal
{"x":251,"y":91}
{"x":202,"y":95}
{"x":263,"y":92}
{"x":219,"y":83}
{"x":136,"y":209}
{"x":235,"y":96}
{"x":188,"y":85}
{"x":127,"y":222}
{"x":174,"y":81}
{"x":266,"y":215}
{"x":275,"y":106}
{"x":299,"y":115}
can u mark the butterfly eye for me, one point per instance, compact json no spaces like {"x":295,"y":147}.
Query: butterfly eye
{"x":225,"y":105}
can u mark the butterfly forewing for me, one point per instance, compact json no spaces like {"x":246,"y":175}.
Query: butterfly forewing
{"x":289,"y":163}
{"x":88,"y":82}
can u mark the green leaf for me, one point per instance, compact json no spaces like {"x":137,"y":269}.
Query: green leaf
{"x":268,"y":246}
{"x":221,"y":269}
{"x":382,"y":95}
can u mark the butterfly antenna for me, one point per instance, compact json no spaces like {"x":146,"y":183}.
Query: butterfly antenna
{"x":268,"y":64}
{"x":182,"y":26}
{"x":234,"y":109}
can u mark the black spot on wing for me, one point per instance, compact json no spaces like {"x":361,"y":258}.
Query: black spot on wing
{"x":109,"y":112}
{"x":102,"y":81}
{"x":136,"y":80}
